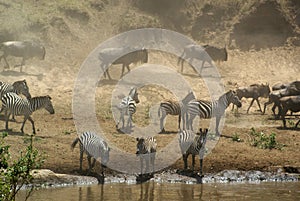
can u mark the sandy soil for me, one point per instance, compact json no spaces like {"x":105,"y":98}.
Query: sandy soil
{"x":55,"y":133}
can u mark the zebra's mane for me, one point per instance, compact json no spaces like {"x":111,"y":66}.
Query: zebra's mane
{"x":41,"y":97}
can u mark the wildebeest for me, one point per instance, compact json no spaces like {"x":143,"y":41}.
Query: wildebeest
{"x":135,"y":55}
{"x":254,"y":91}
{"x":206,"y":53}
{"x":290,"y":89}
{"x":24,"y":49}
{"x":291,"y":103}
{"x":294,"y":84}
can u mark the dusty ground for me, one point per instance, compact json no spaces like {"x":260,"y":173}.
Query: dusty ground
{"x":66,"y":52}
{"x":56,"y":132}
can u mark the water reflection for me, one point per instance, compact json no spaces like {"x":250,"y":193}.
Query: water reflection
{"x":150,"y":191}
{"x":146,"y":191}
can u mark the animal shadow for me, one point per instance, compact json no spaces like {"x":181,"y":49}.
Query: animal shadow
{"x":16,"y":73}
{"x":289,"y":128}
{"x":11,"y":132}
{"x":141,"y":178}
{"x":125,"y":130}
{"x":100,"y":177}
{"x":192,"y":174}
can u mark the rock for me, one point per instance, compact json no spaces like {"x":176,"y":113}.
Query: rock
{"x":46,"y":178}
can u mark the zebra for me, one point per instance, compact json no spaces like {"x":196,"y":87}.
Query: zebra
{"x":146,"y":150}
{"x":191,"y":143}
{"x":16,"y":105}
{"x":174,"y":108}
{"x":94,"y":146}
{"x":128,"y":107}
{"x":207,"y":109}
{"x":18,"y":87}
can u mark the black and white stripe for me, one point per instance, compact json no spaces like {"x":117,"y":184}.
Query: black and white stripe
{"x":146,"y":150}
{"x":207,"y":109}
{"x":16,"y":105}
{"x":171,"y":107}
{"x":194,"y":144}
{"x":94,"y":146}
{"x":128,"y":107}
{"x":18,"y":87}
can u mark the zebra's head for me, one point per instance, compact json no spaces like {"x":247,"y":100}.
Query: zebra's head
{"x":140,"y":145}
{"x":21,"y":87}
{"x":48,"y":104}
{"x":190,"y":96}
{"x":134,"y":94}
{"x":232,"y":97}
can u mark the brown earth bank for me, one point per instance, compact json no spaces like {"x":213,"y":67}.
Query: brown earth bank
{"x":76,"y":30}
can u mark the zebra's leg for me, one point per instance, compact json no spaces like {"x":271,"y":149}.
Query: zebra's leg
{"x":7,"y":114}
{"x":201,"y":156}
{"x":81,"y":158}
{"x":185,"y":157}
{"x":153,"y":161}
{"x":193,"y":162}
{"x":147,"y":161}
{"x":129,"y":121}
{"x":32,"y":123}
{"x":121,"y":119}
{"x":89,"y":157}
{"x":141,"y":164}
{"x":94,"y":162}
{"x":201,"y":167}
{"x":218,"y":118}
{"x":162,"y":119}
{"x":190,"y":122}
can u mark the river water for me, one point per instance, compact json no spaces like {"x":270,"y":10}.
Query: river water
{"x":281,"y":191}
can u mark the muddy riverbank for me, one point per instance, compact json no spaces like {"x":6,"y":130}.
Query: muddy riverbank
{"x":47,"y":178}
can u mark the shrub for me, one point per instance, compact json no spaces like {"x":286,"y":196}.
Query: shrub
{"x":264,"y":141}
{"x":15,"y":175}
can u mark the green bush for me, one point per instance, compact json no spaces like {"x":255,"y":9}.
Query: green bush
{"x":16,"y":174}
{"x":264,"y":141}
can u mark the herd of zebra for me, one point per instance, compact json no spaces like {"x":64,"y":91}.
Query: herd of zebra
{"x":146,"y":146}
{"x":14,"y":104}
{"x":190,"y":142}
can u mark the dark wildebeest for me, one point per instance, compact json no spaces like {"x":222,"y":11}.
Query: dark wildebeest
{"x":206,"y":53}
{"x":295,"y":84}
{"x":291,"y":103}
{"x":24,"y":49}
{"x":107,"y":56}
{"x":254,"y":91}
{"x":290,"y":89}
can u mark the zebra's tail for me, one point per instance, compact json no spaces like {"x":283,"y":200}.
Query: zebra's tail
{"x":158,"y":111}
{"x":180,"y":58}
{"x":74,"y":143}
